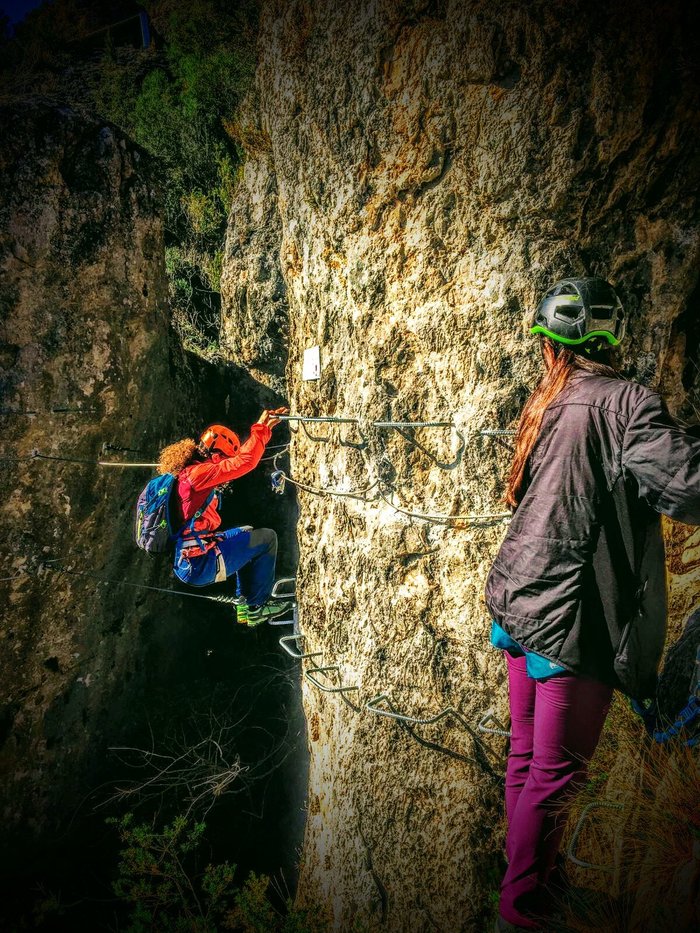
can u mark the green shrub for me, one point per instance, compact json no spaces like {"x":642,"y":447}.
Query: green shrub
{"x":166,"y":890}
{"x":177,"y":101}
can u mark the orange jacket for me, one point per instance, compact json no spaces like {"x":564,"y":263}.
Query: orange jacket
{"x":195,"y":482}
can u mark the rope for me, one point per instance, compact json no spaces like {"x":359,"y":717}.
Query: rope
{"x":489,"y":517}
{"x":280,"y":477}
{"x":332,"y":419}
{"x":35,"y":455}
{"x":280,"y":453}
{"x":16,"y":576}
{"x":408,"y":722}
{"x":438,"y":463}
{"x":228,"y":600}
{"x":413,"y":424}
{"x":49,"y":411}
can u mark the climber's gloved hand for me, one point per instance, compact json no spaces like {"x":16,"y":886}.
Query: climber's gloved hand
{"x":268,"y":416}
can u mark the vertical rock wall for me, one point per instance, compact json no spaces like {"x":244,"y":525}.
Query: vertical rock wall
{"x":85,"y":359}
{"x":434,"y":166}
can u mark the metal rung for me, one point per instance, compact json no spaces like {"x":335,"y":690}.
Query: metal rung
{"x":293,"y":621}
{"x":391,"y":713}
{"x":287,"y":640}
{"x":415,"y":720}
{"x":324,"y":670}
{"x":496,"y":729}
{"x":571,"y":850}
{"x":286,"y":594}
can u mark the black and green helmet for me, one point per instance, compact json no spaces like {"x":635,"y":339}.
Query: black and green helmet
{"x":574,"y":311}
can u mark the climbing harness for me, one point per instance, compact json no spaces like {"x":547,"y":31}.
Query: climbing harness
{"x":323,"y":676}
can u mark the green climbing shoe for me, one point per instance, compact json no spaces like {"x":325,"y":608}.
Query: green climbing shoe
{"x":268,"y":611}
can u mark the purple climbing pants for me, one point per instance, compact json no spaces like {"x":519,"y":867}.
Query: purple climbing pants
{"x":555,"y":725}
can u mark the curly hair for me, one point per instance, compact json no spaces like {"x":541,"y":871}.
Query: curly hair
{"x":177,"y":456}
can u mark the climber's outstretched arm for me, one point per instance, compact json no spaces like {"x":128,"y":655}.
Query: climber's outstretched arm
{"x":210,"y":474}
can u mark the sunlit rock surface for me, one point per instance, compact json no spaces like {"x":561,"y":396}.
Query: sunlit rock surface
{"x":422,"y":171}
{"x":253,"y":290}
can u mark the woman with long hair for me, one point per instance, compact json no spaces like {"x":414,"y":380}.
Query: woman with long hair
{"x":577,"y":590}
{"x":203,"y":553}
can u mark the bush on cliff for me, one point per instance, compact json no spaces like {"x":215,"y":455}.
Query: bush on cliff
{"x":161,"y":879}
{"x":178,"y":99}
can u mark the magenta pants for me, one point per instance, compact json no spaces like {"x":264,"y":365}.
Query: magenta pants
{"x":555,"y":725}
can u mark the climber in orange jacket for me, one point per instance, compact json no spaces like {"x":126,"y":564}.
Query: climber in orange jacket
{"x":203,"y":554}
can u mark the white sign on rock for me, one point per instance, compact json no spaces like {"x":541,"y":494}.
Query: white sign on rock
{"x":312,"y":364}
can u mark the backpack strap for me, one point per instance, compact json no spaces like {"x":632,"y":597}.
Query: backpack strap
{"x":188,"y":527}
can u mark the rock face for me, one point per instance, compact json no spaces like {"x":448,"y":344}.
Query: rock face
{"x":253,"y":291}
{"x":423,"y":171}
{"x":87,"y":360}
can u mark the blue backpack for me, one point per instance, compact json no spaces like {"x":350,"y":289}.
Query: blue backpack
{"x":154,"y":532}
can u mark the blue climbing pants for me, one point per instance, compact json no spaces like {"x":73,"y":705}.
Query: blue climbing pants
{"x":251,"y":554}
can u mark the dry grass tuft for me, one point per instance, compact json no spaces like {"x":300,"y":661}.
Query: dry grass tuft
{"x":649,"y":850}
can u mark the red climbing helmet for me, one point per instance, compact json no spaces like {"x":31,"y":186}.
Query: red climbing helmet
{"x":220,"y":439}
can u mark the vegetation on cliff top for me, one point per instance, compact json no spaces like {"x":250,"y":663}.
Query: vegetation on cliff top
{"x":177,"y":98}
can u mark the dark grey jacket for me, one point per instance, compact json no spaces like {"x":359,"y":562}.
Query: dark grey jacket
{"x":580,"y":576}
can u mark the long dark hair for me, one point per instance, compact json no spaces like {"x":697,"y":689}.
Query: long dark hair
{"x":560,"y":362}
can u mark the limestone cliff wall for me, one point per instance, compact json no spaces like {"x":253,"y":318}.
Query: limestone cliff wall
{"x":84,"y":325}
{"x":423,"y":170}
